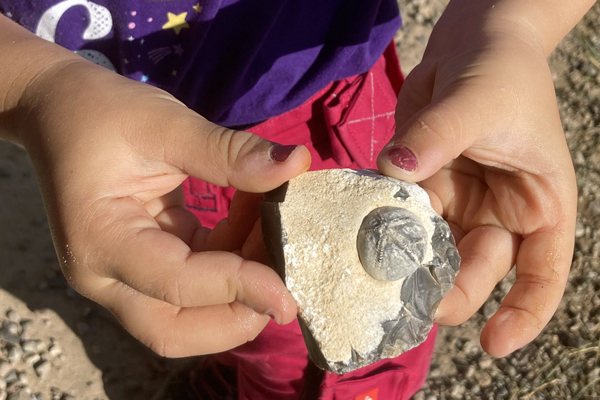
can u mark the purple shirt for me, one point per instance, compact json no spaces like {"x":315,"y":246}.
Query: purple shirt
{"x":236,"y":62}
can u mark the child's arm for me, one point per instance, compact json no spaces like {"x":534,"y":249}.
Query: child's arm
{"x":110,"y":154}
{"x":478,"y":126}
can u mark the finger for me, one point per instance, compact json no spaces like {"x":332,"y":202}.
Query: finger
{"x":172,"y":331}
{"x":160,"y":265}
{"x":487,"y":254}
{"x":172,"y":217}
{"x":226,"y":157}
{"x":437,"y":134}
{"x":254,"y":248}
{"x":415,"y":93}
{"x":231,"y":232}
{"x":542,"y":269}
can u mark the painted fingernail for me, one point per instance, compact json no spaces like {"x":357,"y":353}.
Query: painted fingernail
{"x":280,"y":152}
{"x":274,"y":315}
{"x":403,"y":158}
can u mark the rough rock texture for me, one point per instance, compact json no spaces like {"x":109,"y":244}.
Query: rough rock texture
{"x":349,"y":318}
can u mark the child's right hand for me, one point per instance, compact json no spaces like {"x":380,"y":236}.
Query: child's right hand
{"x":110,"y":154}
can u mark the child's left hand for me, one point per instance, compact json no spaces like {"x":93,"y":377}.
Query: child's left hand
{"x":479,"y":116}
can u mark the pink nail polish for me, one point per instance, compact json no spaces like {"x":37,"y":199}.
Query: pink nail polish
{"x":403,"y":158}
{"x":274,"y":315}
{"x":279,"y":152}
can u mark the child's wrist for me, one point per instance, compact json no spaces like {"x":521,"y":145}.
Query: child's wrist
{"x":43,"y":95}
{"x":541,"y":24}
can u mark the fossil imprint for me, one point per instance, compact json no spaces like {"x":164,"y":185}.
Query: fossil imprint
{"x":367,"y":260}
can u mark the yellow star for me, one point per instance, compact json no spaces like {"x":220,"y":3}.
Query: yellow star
{"x":174,"y":73}
{"x":177,"y":22}
{"x":197,"y":8}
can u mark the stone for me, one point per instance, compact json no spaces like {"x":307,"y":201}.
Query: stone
{"x":29,"y":346}
{"x":489,"y":308}
{"x":42,"y":368}
{"x":13,"y":316}
{"x":391,"y":243}
{"x":5,"y":368}
{"x":26,"y":326}
{"x":10,"y":332}
{"x":11,"y":377}
{"x":23,"y":380}
{"x":366,"y":258}
{"x":55,"y":350}
{"x":31,"y":358}
{"x":579,"y":229}
{"x":458,"y":391}
{"x":485,"y":362}
{"x":14,"y":354}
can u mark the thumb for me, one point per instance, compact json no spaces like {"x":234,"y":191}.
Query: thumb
{"x":432,"y":137}
{"x":226,"y":157}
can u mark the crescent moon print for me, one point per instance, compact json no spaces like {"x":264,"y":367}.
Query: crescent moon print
{"x":100,"y":20}
{"x":100,"y":26}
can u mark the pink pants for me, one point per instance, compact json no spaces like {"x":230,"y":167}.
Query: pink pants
{"x":345,"y":125}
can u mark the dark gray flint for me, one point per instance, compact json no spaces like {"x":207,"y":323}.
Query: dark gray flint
{"x":422,"y":292}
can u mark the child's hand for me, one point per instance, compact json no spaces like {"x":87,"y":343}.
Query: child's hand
{"x":110,"y":154}
{"x":479,"y":116}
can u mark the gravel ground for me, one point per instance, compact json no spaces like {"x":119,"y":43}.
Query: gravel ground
{"x":54,"y":344}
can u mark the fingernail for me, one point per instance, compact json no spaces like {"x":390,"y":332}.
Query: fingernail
{"x":274,"y":315}
{"x":403,"y":158}
{"x":505,"y":317}
{"x":280,"y":152}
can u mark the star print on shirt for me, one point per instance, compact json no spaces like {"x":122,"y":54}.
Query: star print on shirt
{"x":177,"y":22}
{"x":197,"y":8}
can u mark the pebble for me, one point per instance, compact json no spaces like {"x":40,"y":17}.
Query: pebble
{"x":431,"y":397}
{"x":2,"y":385}
{"x":579,"y":158}
{"x":489,"y":308}
{"x":13,"y":316}
{"x":31,"y":358}
{"x":11,"y":377}
{"x":14,"y":354}
{"x":435,"y":373}
{"x":55,"y":350}
{"x":10,"y":332}
{"x":23,"y":379}
{"x":458,"y":391}
{"x":10,"y":327}
{"x":485,"y":362}
{"x":5,"y":368}
{"x":42,"y":368}
{"x":26,"y":326}
{"x":29,"y":346}
{"x":579,"y":229}
{"x":511,"y":371}
{"x":483,"y":379}
{"x":419,"y":396}
{"x":470,"y":371}
{"x":67,"y":396}
{"x":3,"y":395}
